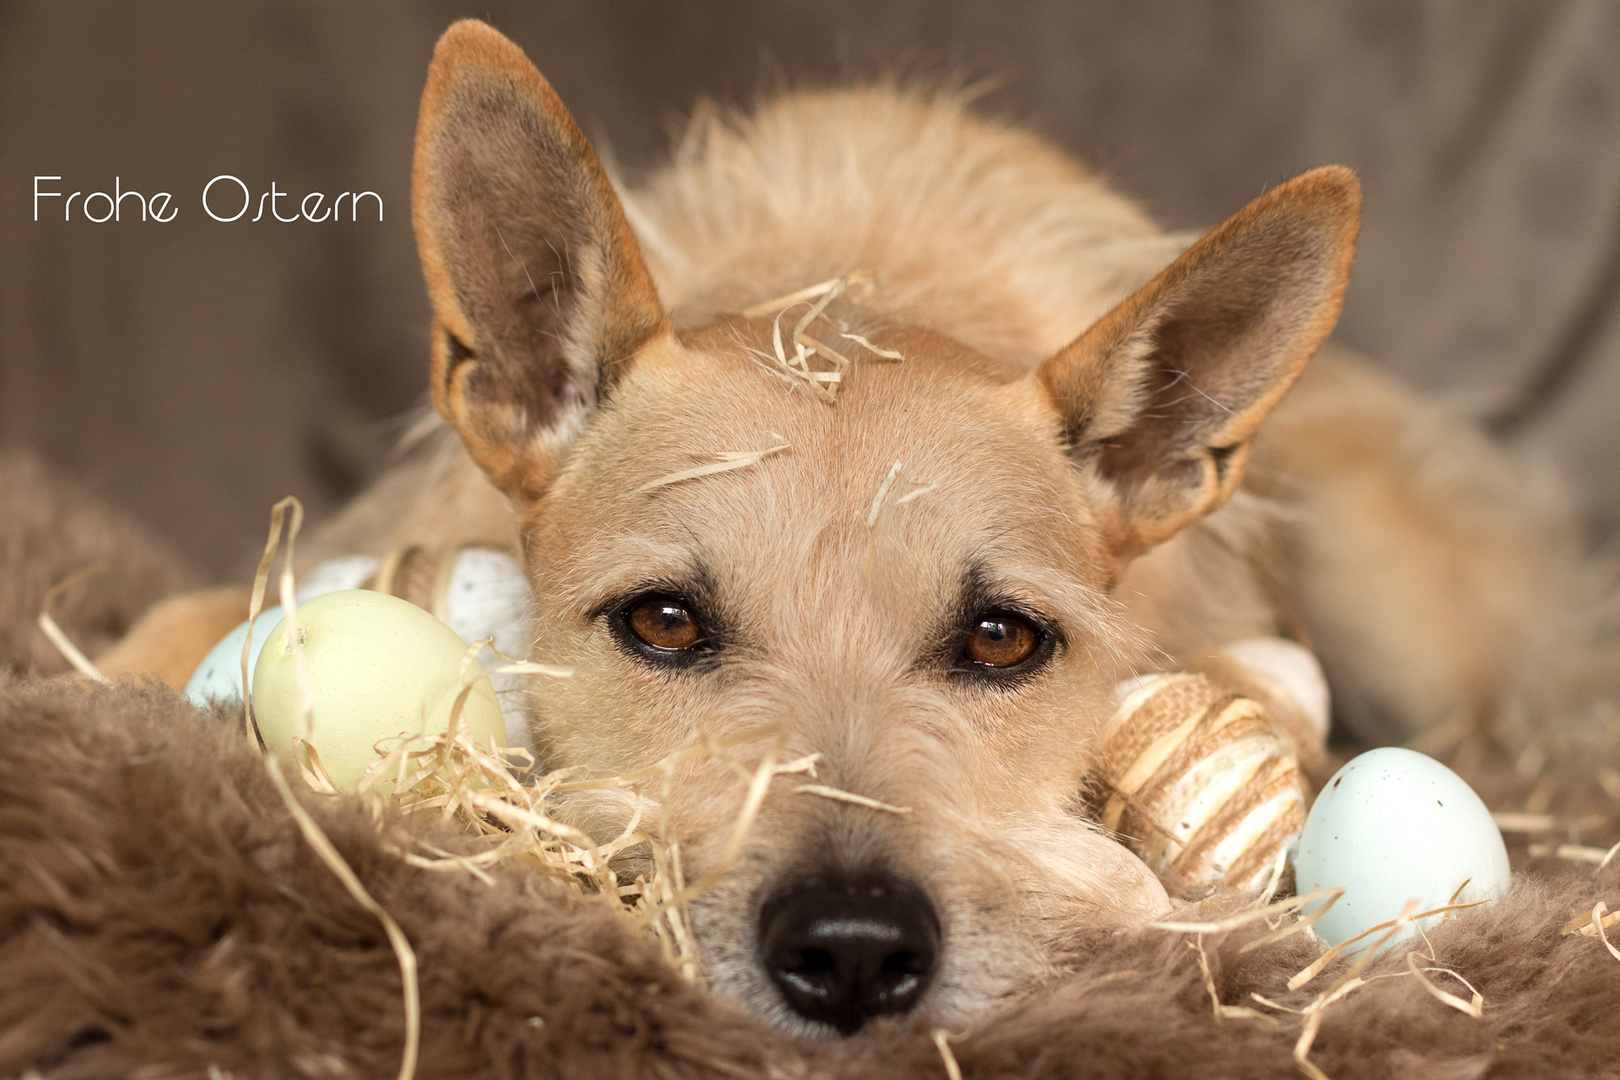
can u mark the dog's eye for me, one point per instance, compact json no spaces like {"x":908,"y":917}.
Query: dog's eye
{"x":663,"y":622}
{"x":1000,"y":639}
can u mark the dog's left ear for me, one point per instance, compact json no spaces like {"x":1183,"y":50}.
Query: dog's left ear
{"x":1161,"y":397}
{"x":540,"y":296}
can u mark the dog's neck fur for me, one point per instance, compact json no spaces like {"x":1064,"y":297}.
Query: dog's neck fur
{"x":741,"y":215}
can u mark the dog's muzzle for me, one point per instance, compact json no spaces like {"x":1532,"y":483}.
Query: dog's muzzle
{"x":841,"y":957}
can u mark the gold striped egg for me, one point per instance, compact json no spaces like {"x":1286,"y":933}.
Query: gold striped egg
{"x":1199,"y":782}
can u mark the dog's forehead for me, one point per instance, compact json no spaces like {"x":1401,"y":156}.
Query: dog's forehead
{"x":939,"y":463}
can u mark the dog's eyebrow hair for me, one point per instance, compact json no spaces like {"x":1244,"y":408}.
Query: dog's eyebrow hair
{"x":695,"y":583}
{"x":980,"y":589}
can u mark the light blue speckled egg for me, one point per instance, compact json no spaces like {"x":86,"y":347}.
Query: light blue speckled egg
{"x":1394,"y":825}
{"x":219,"y":676}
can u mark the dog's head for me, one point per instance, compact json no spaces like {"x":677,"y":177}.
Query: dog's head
{"x":914,"y":583}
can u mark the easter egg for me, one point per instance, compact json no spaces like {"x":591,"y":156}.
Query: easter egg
{"x":1292,"y":672}
{"x":486,"y":595}
{"x":378,"y":667}
{"x":334,"y":575}
{"x":219,"y":676}
{"x":1198,"y":782}
{"x":1394,"y":825}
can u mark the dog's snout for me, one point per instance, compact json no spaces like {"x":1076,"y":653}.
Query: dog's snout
{"x":843,"y":956}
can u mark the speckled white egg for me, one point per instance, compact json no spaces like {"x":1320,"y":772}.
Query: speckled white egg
{"x":486,"y":595}
{"x":1394,"y":825}
{"x":378,"y":667}
{"x":219,"y":676}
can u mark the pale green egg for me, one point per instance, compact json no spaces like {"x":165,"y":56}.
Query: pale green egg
{"x":378,"y":667}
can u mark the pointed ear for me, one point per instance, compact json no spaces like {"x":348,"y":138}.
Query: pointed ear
{"x":540,"y":296}
{"x":1161,"y":397}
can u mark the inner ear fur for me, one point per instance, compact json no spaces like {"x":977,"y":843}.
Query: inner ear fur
{"x":1161,"y":398}
{"x":540,"y":295}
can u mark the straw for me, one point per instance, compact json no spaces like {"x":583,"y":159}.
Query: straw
{"x":727,"y":461}
{"x":887,"y":354}
{"x":1347,"y":984}
{"x":328,"y":853}
{"x":56,"y":635}
{"x":1599,"y":857}
{"x":1597,"y":925}
{"x":261,"y":579}
{"x":809,"y":292}
{"x":795,"y":368}
{"x":848,"y":796}
{"x":942,"y":1040}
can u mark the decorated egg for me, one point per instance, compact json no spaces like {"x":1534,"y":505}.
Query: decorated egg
{"x":1199,"y":782}
{"x":378,"y":667}
{"x":478,"y":591}
{"x":219,"y":676}
{"x":1394,"y":825}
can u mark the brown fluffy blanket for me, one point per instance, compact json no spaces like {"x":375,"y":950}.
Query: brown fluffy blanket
{"x":162,"y":916}
{"x":51,"y":528}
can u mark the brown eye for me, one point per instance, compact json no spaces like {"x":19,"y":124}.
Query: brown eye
{"x":664,"y":623}
{"x":1000,"y":639}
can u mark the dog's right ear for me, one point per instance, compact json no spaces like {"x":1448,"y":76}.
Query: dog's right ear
{"x":1162,"y":397}
{"x":540,"y":296}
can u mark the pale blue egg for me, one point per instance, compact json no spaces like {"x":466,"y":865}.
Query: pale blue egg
{"x":1391,"y":826}
{"x":219,"y":676}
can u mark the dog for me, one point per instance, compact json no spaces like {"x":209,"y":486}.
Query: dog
{"x":991,"y":442}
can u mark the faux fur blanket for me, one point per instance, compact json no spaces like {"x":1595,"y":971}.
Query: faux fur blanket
{"x":161,"y":915}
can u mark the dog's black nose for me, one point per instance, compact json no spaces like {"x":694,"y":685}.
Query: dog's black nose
{"x":842,"y":956}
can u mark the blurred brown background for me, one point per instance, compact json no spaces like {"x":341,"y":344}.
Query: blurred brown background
{"x":193,"y":372}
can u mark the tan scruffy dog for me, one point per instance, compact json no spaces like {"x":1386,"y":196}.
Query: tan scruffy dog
{"x":1006,"y":467}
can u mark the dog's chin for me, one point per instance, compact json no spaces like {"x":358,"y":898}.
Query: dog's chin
{"x":1076,"y":874}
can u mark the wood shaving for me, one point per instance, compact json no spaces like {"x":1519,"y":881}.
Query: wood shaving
{"x":850,"y":797}
{"x":1221,"y":1010}
{"x":1276,"y":916}
{"x":1582,"y":923}
{"x":1598,"y":928}
{"x":809,"y":292}
{"x":1597,"y":856}
{"x":953,"y":1071}
{"x":915,"y":493}
{"x":728,"y":460}
{"x":1313,"y":969}
{"x":882,"y":493}
{"x":794,"y":367}
{"x":57,"y":636}
{"x":1519,"y":821}
{"x":887,"y":354}
{"x":406,"y":956}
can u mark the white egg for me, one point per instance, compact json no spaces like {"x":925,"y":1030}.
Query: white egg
{"x":335,"y":575}
{"x":378,"y":667}
{"x":487,"y":596}
{"x":1394,"y":825}
{"x":219,"y":676}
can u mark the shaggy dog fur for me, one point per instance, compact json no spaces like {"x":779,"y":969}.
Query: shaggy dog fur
{"x":161,"y":916}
